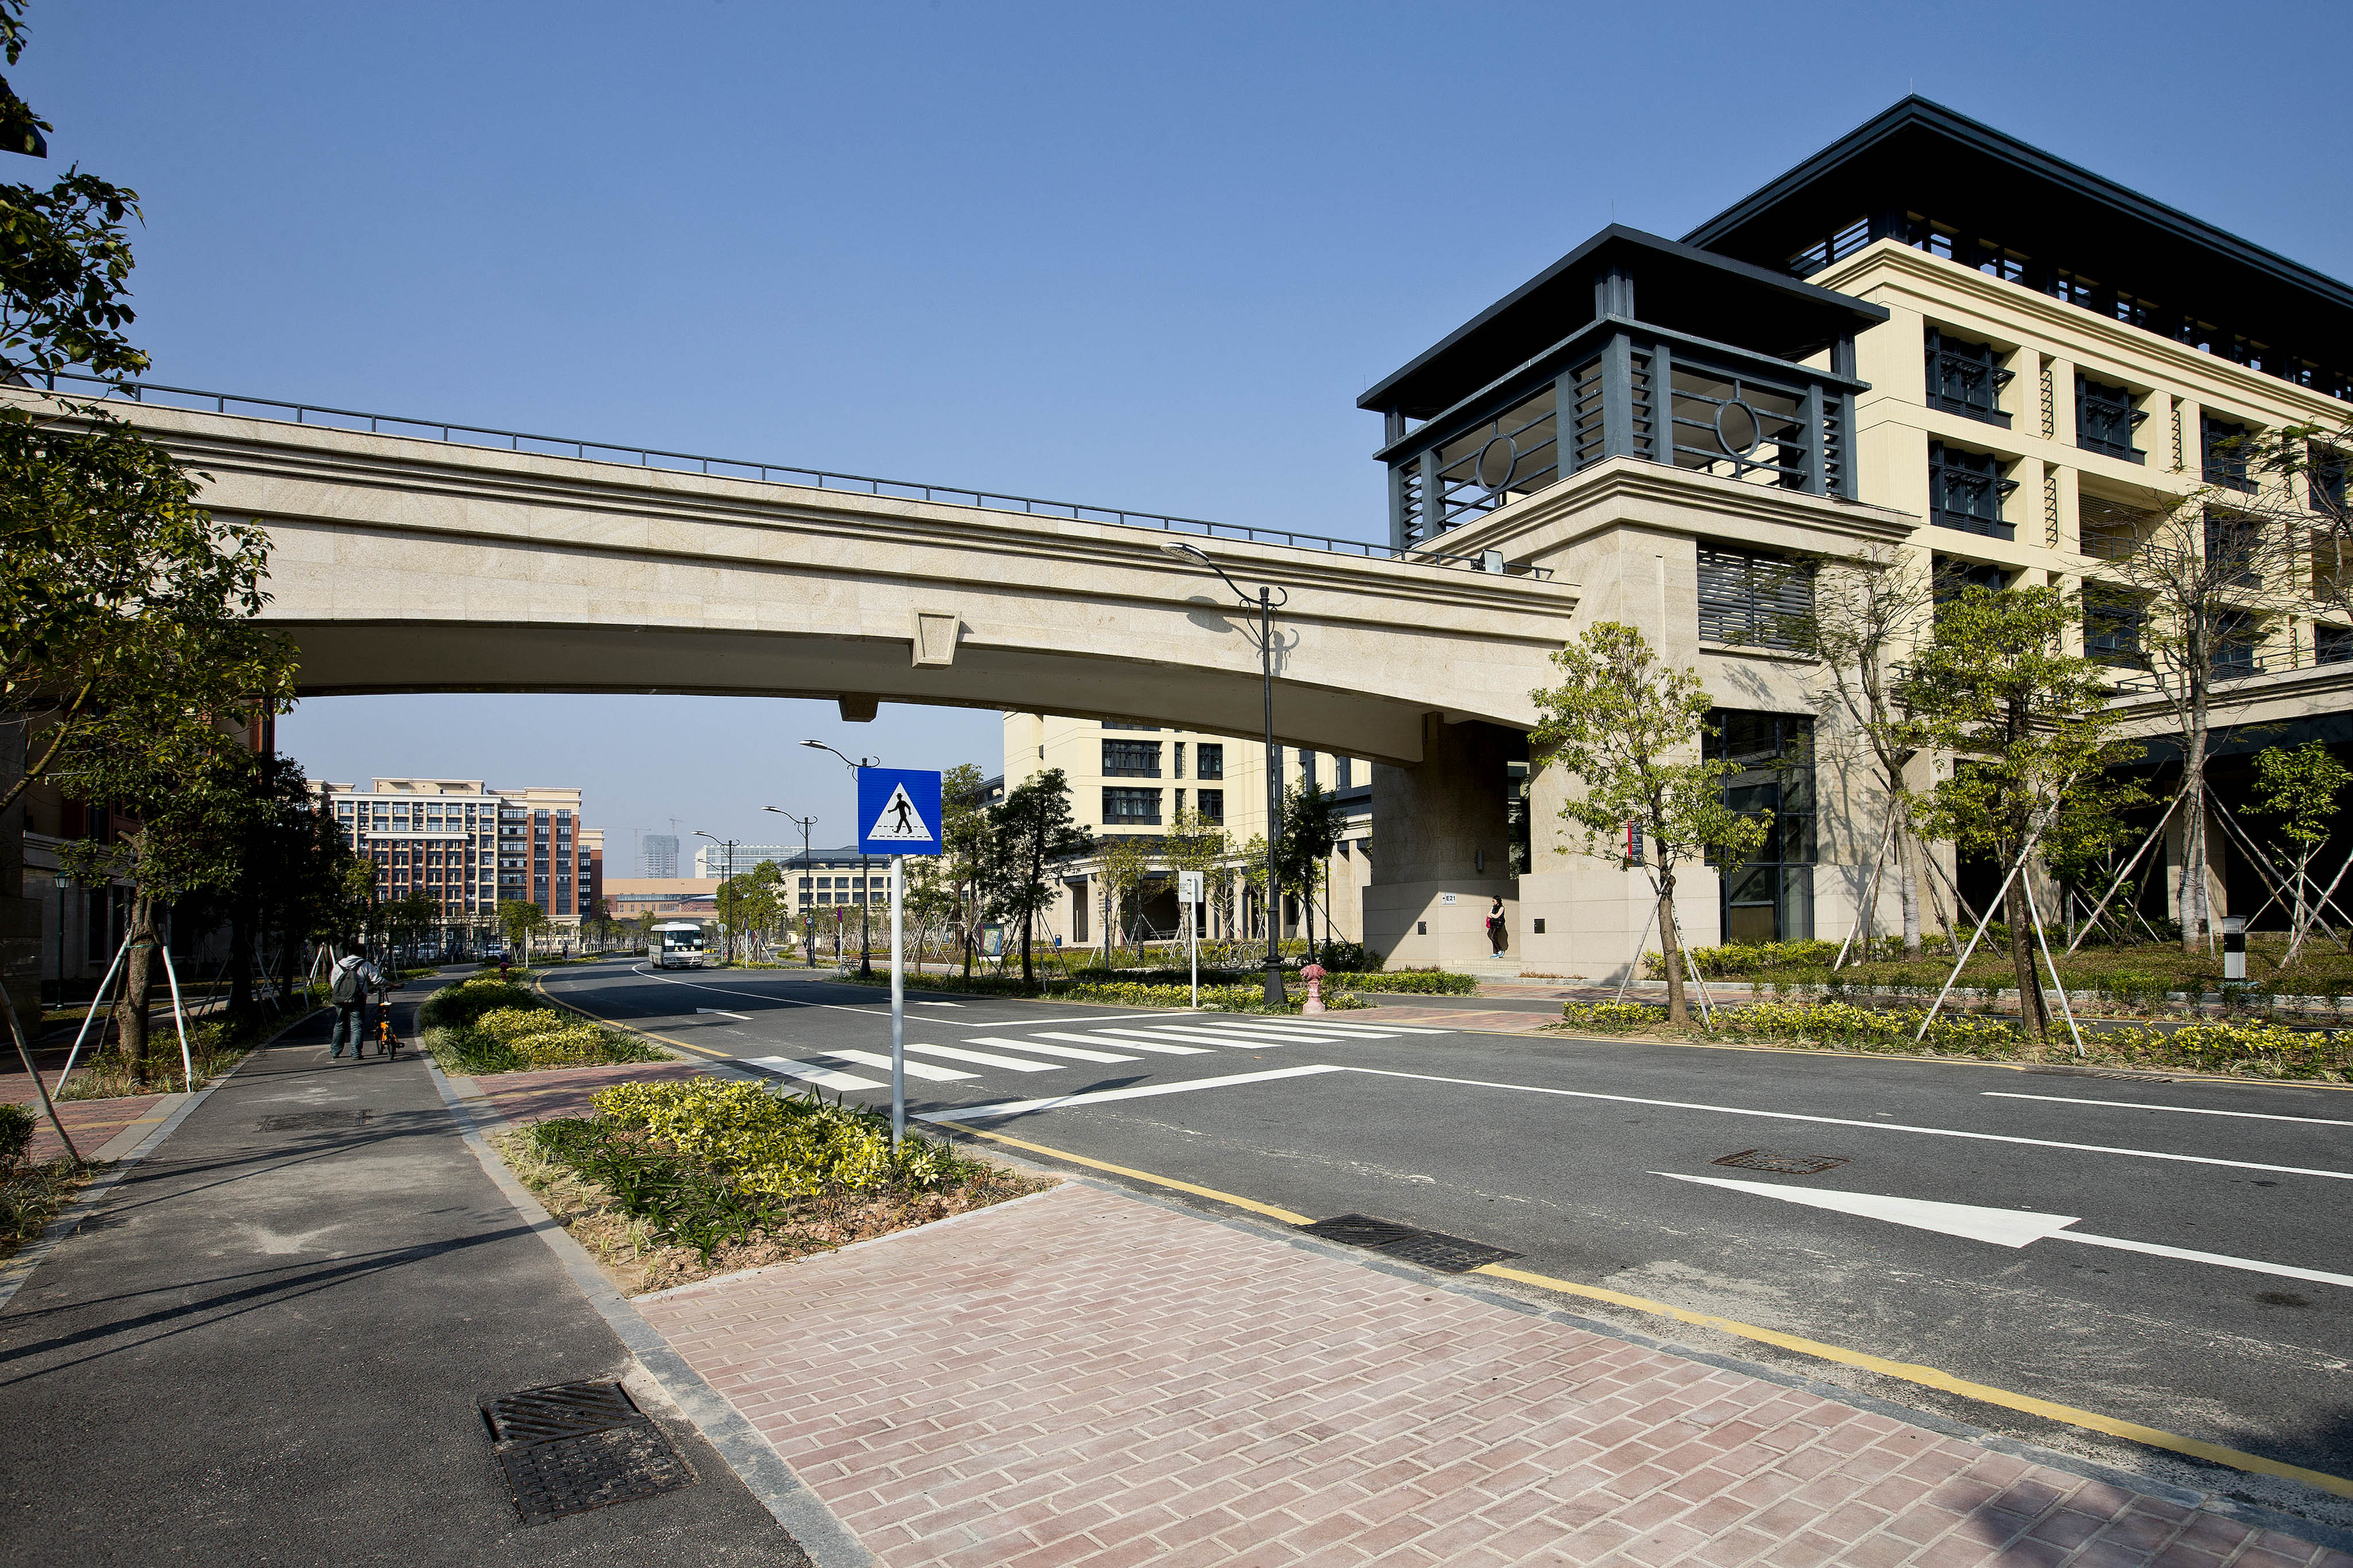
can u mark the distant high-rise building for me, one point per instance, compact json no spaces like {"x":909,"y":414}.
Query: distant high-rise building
{"x":470,"y":848}
{"x":657,"y":855}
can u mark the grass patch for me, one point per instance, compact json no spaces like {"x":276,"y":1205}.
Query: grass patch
{"x":669,"y":1183}
{"x":485,"y":1024}
{"x":31,"y":1195}
{"x":215,"y":1046}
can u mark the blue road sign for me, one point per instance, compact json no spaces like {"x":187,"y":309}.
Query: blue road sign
{"x":898,"y":812}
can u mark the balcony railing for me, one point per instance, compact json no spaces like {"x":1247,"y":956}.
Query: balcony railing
{"x":1623,"y":388}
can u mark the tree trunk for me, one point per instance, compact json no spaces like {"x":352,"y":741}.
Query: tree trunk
{"x":2032,"y":1012}
{"x":1678,"y":1010}
{"x":138,"y":983}
{"x":2193,"y":841}
{"x":1908,"y":889}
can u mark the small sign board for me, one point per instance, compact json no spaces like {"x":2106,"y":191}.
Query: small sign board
{"x":992,"y":941}
{"x":1188,"y":886}
{"x":898,"y":811}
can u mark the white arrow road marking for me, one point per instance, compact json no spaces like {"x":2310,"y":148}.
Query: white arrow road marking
{"x":1851,"y":1121}
{"x":1021,"y":1107}
{"x":2003,"y":1227}
{"x":723,"y":1013}
{"x":2185,"y":1109}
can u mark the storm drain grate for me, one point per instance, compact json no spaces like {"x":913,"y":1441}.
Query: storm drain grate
{"x":1430,"y":1248}
{"x":1784,"y":1164}
{"x":573,"y":1447}
{"x":307,"y":1120}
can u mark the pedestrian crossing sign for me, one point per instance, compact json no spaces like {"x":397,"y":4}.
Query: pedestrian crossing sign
{"x":898,"y":811}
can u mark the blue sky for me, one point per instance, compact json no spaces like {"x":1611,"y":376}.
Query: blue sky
{"x":1145,"y":255}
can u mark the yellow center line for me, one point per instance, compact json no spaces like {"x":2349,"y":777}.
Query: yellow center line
{"x":539,"y":985}
{"x":1285,"y":1215}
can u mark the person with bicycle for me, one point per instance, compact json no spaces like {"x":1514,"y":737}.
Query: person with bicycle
{"x":349,"y":987}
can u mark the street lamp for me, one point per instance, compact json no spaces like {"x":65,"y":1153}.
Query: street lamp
{"x":1267,"y":600}
{"x":726,"y":931}
{"x":809,"y":918}
{"x":865,"y":961}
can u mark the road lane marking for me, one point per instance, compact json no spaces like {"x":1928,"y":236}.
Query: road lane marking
{"x":1851,"y":1122}
{"x":2220,"y":1260}
{"x":1238,"y":1042}
{"x":1057,"y":1018}
{"x":1162,"y":1046}
{"x":939,"y":1003}
{"x":723,"y":1013}
{"x":2185,"y":1109}
{"x":913,"y":1069}
{"x":1253,"y":1032}
{"x":1073,"y":1052}
{"x":809,"y":1072}
{"x":1252,"y":1204}
{"x":957,"y":1053}
{"x":1323,"y":1026}
{"x":1096,"y":1097}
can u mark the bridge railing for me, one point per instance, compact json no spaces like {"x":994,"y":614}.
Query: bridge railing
{"x":762,"y":472}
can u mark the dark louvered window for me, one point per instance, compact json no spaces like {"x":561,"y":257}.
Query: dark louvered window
{"x":1754,"y":600}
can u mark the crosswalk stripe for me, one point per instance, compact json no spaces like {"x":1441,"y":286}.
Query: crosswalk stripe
{"x":1092,"y":1097}
{"x":914,"y":1069}
{"x":1073,"y":1052}
{"x":957,"y":1053}
{"x":1326,"y":1026}
{"x":1232,"y":1042}
{"x":809,"y":1072}
{"x":1254,"y":1032}
{"x":1098,"y":1036}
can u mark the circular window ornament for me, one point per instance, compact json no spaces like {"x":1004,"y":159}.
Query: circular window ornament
{"x":1738,"y":428}
{"x":1496,"y":462}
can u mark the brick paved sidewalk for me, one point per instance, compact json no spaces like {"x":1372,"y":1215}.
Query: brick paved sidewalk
{"x":1086,"y":1377}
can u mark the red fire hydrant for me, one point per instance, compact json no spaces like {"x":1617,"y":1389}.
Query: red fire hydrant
{"x":1313,"y":975}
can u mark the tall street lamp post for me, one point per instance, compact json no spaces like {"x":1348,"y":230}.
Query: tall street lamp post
{"x":1268,"y":600}
{"x":865,"y":960}
{"x":726,"y":930}
{"x":808,"y":916}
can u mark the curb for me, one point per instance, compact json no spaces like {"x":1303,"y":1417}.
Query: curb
{"x":19,"y":1268}
{"x":828,"y":1542}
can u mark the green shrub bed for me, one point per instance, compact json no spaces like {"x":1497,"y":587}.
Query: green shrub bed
{"x":485,"y":1024}
{"x":1250,"y":998}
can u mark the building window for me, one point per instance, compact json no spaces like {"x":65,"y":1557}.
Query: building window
{"x":1141,"y":728}
{"x":1131,"y":759}
{"x":1965,"y":492}
{"x":2106,"y":419}
{"x":1129,"y":808}
{"x":1966,"y":378}
{"x":2225,"y":446}
{"x":1753,"y":600}
{"x":2112,"y":628}
{"x":1306,"y":766}
{"x":1953,"y":578}
{"x":1346,"y":768}
{"x":2332,"y":645}
{"x":1179,"y":804}
{"x":1835,"y":247}
{"x":1213,"y":805}
{"x":2230,"y":541}
{"x":2072,"y":287}
{"x":2238,"y":638}
{"x":1211,"y":760}
{"x":1771,"y":897}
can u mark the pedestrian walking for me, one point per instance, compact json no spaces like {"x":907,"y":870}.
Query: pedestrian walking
{"x":353,"y":980}
{"x":1497,"y":937}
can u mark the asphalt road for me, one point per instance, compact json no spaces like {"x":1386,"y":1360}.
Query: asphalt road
{"x":1581,"y":1155}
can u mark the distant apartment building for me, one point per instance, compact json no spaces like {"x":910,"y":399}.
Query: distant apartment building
{"x":1135,"y":780}
{"x":625,"y":897}
{"x":826,"y":877}
{"x":470,"y":847}
{"x":657,"y":856}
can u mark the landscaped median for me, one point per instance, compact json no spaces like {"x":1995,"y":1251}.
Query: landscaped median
{"x":2251,"y":1049}
{"x":1222,"y":991}
{"x":486,"y":1025}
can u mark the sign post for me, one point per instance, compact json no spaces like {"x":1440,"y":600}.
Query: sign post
{"x":898,"y":809}
{"x":1188,"y":893}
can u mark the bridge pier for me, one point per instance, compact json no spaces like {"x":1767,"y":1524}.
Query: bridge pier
{"x":1441,"y":848}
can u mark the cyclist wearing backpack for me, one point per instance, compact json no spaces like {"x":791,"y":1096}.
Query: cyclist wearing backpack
{"x":355,"y":977}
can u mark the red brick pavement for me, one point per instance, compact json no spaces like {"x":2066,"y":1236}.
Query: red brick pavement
{"x":564,"y":1092}
{"x":1084,"y":1377}
{"x":92,"y":1122}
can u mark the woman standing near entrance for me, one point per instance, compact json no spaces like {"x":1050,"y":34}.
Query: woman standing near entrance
{"x":1497,"y":937}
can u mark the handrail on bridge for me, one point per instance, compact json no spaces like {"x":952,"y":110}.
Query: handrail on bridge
{"x":818,"y":479}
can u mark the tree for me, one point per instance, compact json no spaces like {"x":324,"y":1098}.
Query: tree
{"x":408,"y":919}
{"x":965,"y":846}
{"x":1032,"y":833}
{"x":1123,"y":864}
{"x":2186,"y":605}
{"x":2032,"y":735}
{"x":521,"y":921}
{"x":1629,"y":729}
{"x":1195,"y":844}
{"x":1311,"y":824}
{"x":747,"y":902}
{"x":1867,"y":612}
{"x":2298,"y":787}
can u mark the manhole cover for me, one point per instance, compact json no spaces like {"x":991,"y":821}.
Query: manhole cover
{"x":573,"y":1447}
{"x":1431,"y":1249}
{"x":1784,"y":1164}
{"x":300,"y":1120}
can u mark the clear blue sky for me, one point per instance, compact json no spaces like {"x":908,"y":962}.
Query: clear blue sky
{"x":1140,"y":254}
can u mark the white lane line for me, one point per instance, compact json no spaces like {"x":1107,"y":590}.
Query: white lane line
{"x":1096,"y":1097}
{"x":1073,"y":1052}
{"x":957,"y":1053}
{"x":939,"y":1003}
{"x":1231,"y":1042}
{"x":2185,"y":1109}
{"x":1850,"y":1122}
{"x":723,"y":1013}
{"x":1101,"y":1036}
{"x":809,"y":1072}
{"x":1256,"y":1032}
{"x":1054,"y":1018}
{"x":2003,"y":1227}
{"x":1321,"y":1026}
{"x":914,"y":1069}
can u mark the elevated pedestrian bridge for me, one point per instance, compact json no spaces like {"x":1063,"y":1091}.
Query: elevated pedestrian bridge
{"x":440,"y":559}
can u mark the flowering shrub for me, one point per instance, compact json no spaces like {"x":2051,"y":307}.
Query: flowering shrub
{"x":763,"y":1142}
{"x":484,"y":1025}
{"x":1613,"y":1017}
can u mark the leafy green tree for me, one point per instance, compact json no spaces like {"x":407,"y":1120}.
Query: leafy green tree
{"x":747,"y":902}
{"x":1629,"y":728}
{"x":521,"y":920}
{"x":2032,"y":735}
{"x":1032,"y":833}
{"x":2298,"y":787}
{"x":1124,"y":863}
{"x":1311,"y":824}
{"x":966,"y":844}
{"x":1195,"y":844}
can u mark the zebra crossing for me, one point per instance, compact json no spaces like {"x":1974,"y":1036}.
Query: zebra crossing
{"x":1039,"y":1050}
